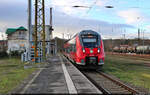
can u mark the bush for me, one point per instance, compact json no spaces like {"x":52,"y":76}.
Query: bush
{"x":15,"y":53}
{"x":3,"y":54}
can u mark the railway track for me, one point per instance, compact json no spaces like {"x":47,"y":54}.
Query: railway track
{"x":107,"y":84}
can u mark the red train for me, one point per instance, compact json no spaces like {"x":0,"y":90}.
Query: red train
{"x":85,"y":49}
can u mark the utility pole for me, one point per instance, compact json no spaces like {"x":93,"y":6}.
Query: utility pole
{"x":43,"y":34}
{"x":56,"y":45}
{"x":124,"y":36}
{"x":39,"y":30}
{"x":143,"y":40}
{"x":138,"y":36}
{"x":51,"y":28}
{"x":112,"y":41}
{"x":63,"y":35}
{"x":138,"y":18}
{"x":35,"y":31}
{"x":29,"y":28}
{"x":51,"y":24}
{"x":3,"y":43}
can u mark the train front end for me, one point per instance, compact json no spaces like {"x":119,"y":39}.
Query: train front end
{"x":90,"y":50}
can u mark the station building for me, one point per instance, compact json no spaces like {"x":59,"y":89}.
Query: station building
{"x":17,"y":39}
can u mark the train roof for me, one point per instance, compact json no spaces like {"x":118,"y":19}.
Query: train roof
{"x":84,"y":32}
{"x":88,"y":32}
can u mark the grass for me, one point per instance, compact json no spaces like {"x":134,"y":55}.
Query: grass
{"x":12,"y":73}
{"x":128,"y":70}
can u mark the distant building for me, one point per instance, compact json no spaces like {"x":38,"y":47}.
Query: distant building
{"x":48,"y":37}
{"x":3,"y":45}
{"x":57,"y":45}
{"x":48,"y":34}
{"x":17,"y":39}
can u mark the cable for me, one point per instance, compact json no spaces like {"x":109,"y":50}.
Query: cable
{"x":91,"y":6}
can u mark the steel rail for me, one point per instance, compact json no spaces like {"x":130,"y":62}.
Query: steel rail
{"x":117,"y":82}
{"x":133,"y":91}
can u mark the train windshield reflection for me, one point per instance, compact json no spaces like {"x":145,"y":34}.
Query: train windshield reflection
{"x":90,"y":42}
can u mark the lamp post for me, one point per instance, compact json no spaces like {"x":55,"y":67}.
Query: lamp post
{"x":112,"y":41}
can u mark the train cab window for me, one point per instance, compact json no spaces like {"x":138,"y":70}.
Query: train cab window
{"x":90,"y":42}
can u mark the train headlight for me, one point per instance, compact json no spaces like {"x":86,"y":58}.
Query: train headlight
{"x":98,"y":50}
{"x":83,"y":50}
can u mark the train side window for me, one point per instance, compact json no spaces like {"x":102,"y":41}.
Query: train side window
{"x":75,"y":46}
{"x":68,"y":50}
{"x":72,"y":47}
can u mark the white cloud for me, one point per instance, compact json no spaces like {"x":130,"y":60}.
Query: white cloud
{"x":100,"y":3}
{"x":12,"y":1}
{"x":69,"y":24}
{"x":147,"y":27}
{"x":64,"y":16}
{"x":132,"y":16}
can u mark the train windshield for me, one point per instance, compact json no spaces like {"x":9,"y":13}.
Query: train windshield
{"x":90,"y":42}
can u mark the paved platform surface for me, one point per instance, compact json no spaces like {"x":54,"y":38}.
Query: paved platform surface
{"x":58,"y":76}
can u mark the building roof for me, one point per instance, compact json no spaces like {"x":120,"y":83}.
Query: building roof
{"x":22,"y":28}
{"x":12,"y":30}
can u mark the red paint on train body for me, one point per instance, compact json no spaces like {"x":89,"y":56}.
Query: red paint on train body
{"x":85,"y":48}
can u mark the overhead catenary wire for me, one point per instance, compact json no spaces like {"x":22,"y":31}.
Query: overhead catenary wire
{"x":94,"y":3}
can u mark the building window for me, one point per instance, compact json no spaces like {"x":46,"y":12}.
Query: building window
{"x":19,"y":32}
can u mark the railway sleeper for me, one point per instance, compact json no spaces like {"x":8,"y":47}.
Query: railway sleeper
{"x":114,"y":87}
{"x":118,"y":92}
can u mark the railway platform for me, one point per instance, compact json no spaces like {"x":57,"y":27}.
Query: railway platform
{"x":59,"y":76}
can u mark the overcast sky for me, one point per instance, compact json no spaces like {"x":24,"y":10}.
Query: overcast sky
{"x":125,"y":17}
